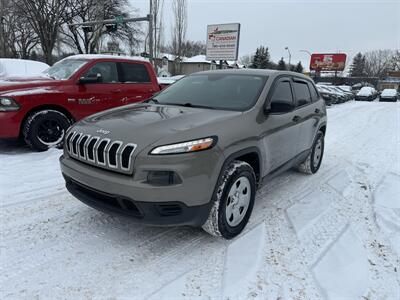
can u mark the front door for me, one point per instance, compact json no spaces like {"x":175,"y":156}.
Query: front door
{"x":97,"y":96}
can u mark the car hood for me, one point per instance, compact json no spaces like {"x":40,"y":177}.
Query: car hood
{"x":21,"y":83}
{"x":389,"y":93}
{"x":145,"y":124}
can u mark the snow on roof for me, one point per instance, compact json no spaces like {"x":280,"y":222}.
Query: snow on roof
{"x":200,"y":59}
{"x":106,"y":56}
{"x":11,"y":67}
{"x":169,"y":56}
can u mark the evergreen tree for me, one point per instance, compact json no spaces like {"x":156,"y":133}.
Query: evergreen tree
{"x":299,"y":68}
{"x":281,"y":65}
{"x":261,"y":58}
{"x":358,"y":66}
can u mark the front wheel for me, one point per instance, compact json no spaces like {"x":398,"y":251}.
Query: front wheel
{"x":313,"y":161}
{"x":233,"y":201}
{"x":45,"y":129}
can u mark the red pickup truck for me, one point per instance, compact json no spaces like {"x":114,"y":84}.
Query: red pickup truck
{"x":41,"y":109}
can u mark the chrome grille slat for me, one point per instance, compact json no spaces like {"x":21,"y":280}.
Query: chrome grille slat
{"x":113,"y":166}
{"x":117,"y":156}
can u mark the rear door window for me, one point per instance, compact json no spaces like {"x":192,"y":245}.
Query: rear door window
{"x":314,"y":92}
{"x":302,"y":92}
{"x":134,"y":73}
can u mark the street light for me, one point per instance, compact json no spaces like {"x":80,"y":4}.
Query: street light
{"x":290,"y":55}
{"x":306,"y":51}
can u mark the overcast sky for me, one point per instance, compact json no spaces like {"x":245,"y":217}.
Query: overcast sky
{"x":317,"y":26}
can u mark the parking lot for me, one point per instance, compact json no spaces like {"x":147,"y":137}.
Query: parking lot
{"x":331,"y":235}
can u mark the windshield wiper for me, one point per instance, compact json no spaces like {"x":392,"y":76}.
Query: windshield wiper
{"x":154,"y":100}
{"x":188,"y":104}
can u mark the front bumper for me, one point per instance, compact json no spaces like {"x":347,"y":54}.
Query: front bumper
{"x":151,"y":213}
{"x":191,"y":197}
{"x":9,"y":124}
{"x":391,"y":99}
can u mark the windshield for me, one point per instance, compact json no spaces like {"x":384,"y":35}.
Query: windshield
{"x":64,"y":69}
{"x":217,"y":91}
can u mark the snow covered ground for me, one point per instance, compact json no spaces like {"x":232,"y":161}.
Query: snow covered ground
{"x":334,"y":235}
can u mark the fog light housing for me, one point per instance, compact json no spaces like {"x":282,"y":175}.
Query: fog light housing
{"x":163,"y":178}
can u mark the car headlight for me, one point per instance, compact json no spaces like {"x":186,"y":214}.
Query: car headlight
{"x":186,"y":147}
{"x":8,"y":104}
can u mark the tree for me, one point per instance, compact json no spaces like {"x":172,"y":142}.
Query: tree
{"x":299,"y":68}
{"x":246,"y":60}
{"x":357,"y":68}
{"x":261,"y":60}
{"x":281,"y":65}
{"x":89,"y":41}
{"x":179,"y":27}
{"x":191,"y":48}
{"x":378,"y":62}
{"x":18,"y":37}
{"x":44,"y":16}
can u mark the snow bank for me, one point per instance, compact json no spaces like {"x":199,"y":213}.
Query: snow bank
{"x":10,"y":67}
{"x":387,"y":209}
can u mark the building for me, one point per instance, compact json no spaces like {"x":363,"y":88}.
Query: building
{"x":392,"y":81}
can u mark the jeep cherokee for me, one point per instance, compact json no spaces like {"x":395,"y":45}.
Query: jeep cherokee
{"x":195,"y":153}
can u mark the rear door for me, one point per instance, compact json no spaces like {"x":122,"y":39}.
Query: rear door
{"x":308,"y":109}
{"x":281,"y":128}
{"x":137,"y":84}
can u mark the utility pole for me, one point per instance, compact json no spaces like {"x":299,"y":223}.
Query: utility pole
{"x":151,"y":33}
{"x":290,"y":55}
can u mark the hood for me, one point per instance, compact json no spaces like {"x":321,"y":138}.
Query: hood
{"x":19,"y":83}
{"x":389,"y":93}
{"x":145,"y":124}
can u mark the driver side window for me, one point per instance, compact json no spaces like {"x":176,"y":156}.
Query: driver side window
{"x":282,"y":98}
{"x":107,"y":70}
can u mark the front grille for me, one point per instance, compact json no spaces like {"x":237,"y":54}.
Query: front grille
{"x":100,"y":152}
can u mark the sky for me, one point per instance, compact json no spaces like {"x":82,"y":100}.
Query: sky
{"x":324,"y":26}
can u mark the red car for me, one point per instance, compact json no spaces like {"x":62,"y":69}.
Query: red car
{"x":41,"y":109}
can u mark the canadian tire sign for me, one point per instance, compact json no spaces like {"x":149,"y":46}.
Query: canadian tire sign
{"x":328,"y":62}
{"x":223,"y":41}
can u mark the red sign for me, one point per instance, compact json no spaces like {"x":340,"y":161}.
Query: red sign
{"x":328,"y":62}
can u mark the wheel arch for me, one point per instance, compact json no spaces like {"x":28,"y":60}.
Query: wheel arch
{"x":250,"y":155}
{"x":55,"y":107}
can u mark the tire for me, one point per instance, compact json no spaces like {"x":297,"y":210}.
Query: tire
{"x":233,"y":201}
{"x":45,"y":129}
{"x":313,"y":161}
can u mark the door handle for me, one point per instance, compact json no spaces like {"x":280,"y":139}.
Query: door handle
{"x":116,"y":91}
{"x":317,"y":110}
{"x":296,"y":119}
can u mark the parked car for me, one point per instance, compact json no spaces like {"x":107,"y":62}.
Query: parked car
{"x":340,"y":96}
{"x":389,"y":95}
{"x":346,"y":89}
{"x":11,"y":67}
{"x":41,"y":109}
{"x":196,"y":153}
{"x":328,"y":96}
{"x":366,"y":93}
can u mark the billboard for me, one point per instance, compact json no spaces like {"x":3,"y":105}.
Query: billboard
{"x":223,"y":41}
{"x":328,"y":62}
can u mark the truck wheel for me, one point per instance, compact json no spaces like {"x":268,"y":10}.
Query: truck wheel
{"x":45,"y":129}
{"x":233,"y":201}
{"x":314,"y":159}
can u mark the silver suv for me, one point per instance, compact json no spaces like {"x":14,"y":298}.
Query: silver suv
{"x":196,"y":153}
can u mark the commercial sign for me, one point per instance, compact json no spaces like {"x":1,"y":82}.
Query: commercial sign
{"x":328,"y":62}
{"x":223,"y":41}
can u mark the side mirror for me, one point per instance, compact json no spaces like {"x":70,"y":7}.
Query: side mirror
{"x":279,"y":107}
{"x":91,"y":78}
